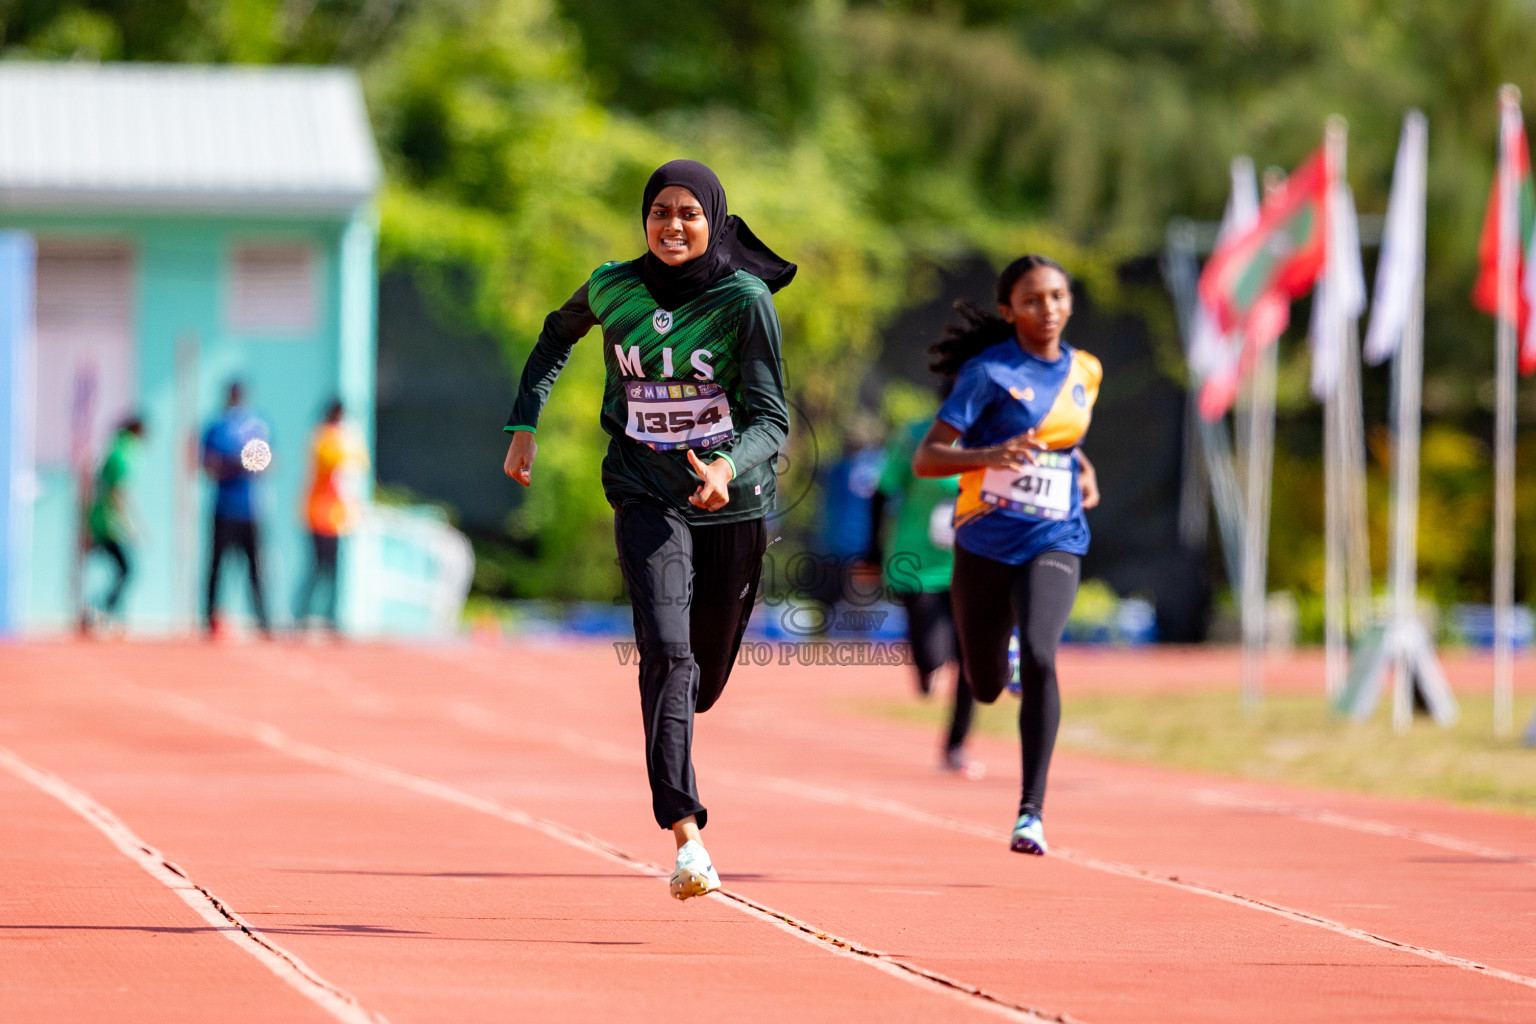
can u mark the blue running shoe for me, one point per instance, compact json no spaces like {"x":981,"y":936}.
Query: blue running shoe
{"x":1028,"y":836}
{"x":1014,"y":686}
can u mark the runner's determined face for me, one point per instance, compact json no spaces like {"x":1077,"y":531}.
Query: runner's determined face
{"x":676,"y":229}
{"x":1039,"y":307}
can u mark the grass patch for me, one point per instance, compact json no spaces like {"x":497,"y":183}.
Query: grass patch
{"x":1291,"y":739}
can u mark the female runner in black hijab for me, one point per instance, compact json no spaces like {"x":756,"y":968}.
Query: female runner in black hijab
{"x":693,"y":403}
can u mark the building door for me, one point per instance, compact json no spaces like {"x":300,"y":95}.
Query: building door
{"x":86,"y":382}
{"x":86,"y":370}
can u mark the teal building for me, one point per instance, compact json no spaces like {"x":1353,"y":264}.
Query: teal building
{"x":165,"y":230}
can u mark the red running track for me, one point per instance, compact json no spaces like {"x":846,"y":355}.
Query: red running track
{"x":276,"y":832}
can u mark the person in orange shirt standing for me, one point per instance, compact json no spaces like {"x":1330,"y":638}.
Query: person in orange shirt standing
{"x":330,"y":510}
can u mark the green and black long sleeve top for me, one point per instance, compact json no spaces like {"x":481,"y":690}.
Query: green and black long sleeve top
{"x":707,"y":376}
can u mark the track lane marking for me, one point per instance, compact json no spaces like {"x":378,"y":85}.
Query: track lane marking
{"x":474,"y":716}
{"x":1210,"y":795}
{"x":372,"y":771}
{"x":895,"y":808}
{"x":466,"y":713}
{"x":337,"y":1002}
{"x":1221,"y":798}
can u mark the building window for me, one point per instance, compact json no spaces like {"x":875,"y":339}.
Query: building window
{"x":273,"y":288}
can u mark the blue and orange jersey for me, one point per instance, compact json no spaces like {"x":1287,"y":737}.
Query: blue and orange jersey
{"x":1000,"y":393}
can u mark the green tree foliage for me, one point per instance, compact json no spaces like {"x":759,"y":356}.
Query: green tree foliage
{"x":869,"y":140}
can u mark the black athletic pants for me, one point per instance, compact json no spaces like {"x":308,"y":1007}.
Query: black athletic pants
{"x":236,"y":533}
{"x":990,"y":599}
{"x":322,"y":573}
{"x":931,"y":631}
{"x":119,"y":556}
{"x":692,"y":590}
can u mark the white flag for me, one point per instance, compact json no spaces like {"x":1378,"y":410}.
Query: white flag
{"x":1340,"y":295}
{"x":1212,"y":353}
{"x":1402,"y":244}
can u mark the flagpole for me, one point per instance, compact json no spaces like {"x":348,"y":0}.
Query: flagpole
{"x":1504,"y":420}
{"x":1335,"y":644}
{"x":1401,"y":645}
{"x":1211,"y":441}
{"x":1261,"y":458}
{"x":1409,"y":378}
{"x":1357,"y":537}
{"x":1330,"y":324}
{"x":1260,"y":466}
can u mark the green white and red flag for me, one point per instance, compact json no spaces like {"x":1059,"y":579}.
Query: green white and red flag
{"x":1518,"y":217}
{"x":1250,"y":279}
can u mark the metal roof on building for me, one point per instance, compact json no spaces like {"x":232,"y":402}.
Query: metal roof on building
{"x":183,"y":137}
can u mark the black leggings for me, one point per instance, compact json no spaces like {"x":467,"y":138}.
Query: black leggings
{"x":242,"y":534}
{"x":931,"y":630}
{"x":119,"y":555}
{"x":692,"y":589}
{"x":1039,"y":595}
{"x":322,"y":573}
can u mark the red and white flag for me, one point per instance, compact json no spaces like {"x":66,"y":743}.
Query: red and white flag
{"x":1215,"y":354}
{"x":1250,"y":280}
{"x":1513,"y":215}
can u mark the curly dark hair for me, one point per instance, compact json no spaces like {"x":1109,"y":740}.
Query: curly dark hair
{"x":979,"y":329}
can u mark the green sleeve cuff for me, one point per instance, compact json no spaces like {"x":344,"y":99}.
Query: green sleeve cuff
{"x":512,"y":429}
{"x":729,"y":462}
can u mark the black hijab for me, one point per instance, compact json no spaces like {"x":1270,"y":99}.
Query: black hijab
{"x":732,"y":245}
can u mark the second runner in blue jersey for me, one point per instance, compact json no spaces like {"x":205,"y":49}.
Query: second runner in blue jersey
{"x":1011,"y":429}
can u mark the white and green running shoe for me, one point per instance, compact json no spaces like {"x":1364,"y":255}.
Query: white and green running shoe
{"x":694,"y":875}
{"x":1028,"y":836}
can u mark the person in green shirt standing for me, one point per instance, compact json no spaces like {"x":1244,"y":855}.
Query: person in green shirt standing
{"x":109,"y":525}
{"x":917,"y":566}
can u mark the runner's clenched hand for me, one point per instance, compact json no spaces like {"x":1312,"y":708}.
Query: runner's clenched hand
{"x":1014,"y":453}
{"x":520,"y":455}
{"x":713,"y":493}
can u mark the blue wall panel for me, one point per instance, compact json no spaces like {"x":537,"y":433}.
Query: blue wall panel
{"x":16,"y":479}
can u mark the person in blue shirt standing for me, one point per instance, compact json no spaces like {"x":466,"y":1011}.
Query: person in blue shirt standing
{"x":1012,"y":429}
{"x":848,"y":490}
{"x":235,"y":508}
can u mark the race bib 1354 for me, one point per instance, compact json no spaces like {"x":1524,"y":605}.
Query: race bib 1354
{"x":671,"y":414}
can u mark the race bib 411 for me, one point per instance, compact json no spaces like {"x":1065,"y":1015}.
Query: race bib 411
{"x":1043,"y":490}
{"x":672,"y":414}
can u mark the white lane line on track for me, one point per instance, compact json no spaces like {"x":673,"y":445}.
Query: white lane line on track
{"x":1219,"y":798}
{"x":470,"y":715}
{"x":275,"y":739}
{"x":895,"y":808}
{"x":333,"y":1000}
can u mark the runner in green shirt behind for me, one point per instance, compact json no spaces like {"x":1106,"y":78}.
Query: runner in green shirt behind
{"x":108,"y":523}
{"x":917,"y":564}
